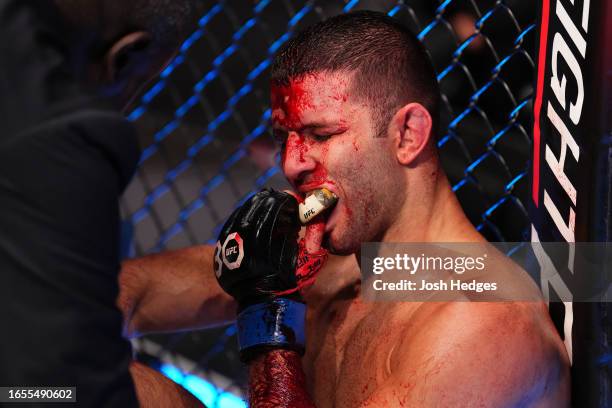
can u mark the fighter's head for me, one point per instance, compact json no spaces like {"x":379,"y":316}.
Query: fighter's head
{"x":118,"y":45}
{"x":355,"y":104}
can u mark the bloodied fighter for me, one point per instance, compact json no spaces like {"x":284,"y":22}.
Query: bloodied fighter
{"x":355,"y":107}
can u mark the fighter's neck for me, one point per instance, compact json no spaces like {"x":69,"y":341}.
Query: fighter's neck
{"x":432,"y":215}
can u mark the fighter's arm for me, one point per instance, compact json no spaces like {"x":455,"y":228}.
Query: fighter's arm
{"x":276,"y":380}
{"x":170,"y":291}
{"x":475,"y":354}
{"x":155,"y":390}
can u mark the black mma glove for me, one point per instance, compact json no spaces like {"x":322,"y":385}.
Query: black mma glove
{"x":256,"y":261}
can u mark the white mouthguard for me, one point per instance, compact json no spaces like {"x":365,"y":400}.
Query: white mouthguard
{"x":315,"y":203}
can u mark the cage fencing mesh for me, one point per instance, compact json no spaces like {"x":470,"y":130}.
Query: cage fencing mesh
{"x":203,"y":128}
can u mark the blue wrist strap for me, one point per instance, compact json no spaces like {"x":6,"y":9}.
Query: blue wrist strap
{"x":278,"y":323}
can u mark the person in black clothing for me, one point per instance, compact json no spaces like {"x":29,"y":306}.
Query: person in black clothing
{"x":67,"y":67}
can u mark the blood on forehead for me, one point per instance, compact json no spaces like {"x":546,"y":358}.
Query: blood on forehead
{"x":321,"y":93}
{"x":289,"y":103}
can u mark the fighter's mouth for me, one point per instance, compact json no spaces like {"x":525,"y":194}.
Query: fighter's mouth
{"x":316,"y":202}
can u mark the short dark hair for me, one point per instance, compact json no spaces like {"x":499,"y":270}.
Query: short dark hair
{"x":390,"y":65}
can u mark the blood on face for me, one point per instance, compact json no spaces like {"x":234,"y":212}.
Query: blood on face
{"x":301,"y":106}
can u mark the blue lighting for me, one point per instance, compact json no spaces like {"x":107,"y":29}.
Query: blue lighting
{"x":192,"y":38}
{"x":446,"y":70}
{"x":276,"y":44}
{"x":442,"y":6}
{"x":512,"y":182}
{"x":153,"y":91}
{"x":350,"y":5}
{"x":227,"y":400}
{"x":238,"y":34}
{"x":492,"y":209}
{"x":475,"y":163}
{"x":460,"y":184}
{"x":520,"y":106}
{"x":484,"y":18}
{"x":257,"y":70}
{"x":172,"y":373}
{"x":394,"y":11}
{"x":208,"y":16}
{"x":519,"y":39}
{"x":298,"y":16}
{"x":261,"y":5}
{"x":137,"y":113}
{"x":224,"y":55}
{"x":427,"y":29}
{"x":170,"y":68}
{"x":202,"y":389}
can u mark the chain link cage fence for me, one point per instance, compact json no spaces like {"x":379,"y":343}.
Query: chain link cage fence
{"x":206,"y":143}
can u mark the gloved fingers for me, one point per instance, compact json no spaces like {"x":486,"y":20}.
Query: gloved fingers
{"x":278,"y":217}
{"x":253,"y":207}
{"x":295,"y":195}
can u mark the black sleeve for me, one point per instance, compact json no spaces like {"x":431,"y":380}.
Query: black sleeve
{"x":64,"y":161}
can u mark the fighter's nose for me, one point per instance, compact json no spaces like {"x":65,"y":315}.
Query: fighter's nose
{"x":297,"y":159}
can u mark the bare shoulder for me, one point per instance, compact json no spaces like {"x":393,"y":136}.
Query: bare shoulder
{"x":514,"y":324}
{"x":489,"y":326}
{"x":508,"y":348}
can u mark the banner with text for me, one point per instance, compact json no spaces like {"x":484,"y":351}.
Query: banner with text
{"x":417,"y":272}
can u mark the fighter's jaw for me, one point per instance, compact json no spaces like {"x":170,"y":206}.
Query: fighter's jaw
{"x":332,"y":217}
{"x":338,"y":244}
{"x":338,"y":237}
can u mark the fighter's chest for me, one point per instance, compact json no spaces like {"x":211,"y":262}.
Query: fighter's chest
{"x":348,"y":347}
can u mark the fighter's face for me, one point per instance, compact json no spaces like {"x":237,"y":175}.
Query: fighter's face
{"x":328,"y":140}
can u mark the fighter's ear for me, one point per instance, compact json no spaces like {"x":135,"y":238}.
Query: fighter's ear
{"x":412,"y":127}
{"x":128,"y":58}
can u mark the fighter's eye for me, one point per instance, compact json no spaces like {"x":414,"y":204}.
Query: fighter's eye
{"x":321,"y":137}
